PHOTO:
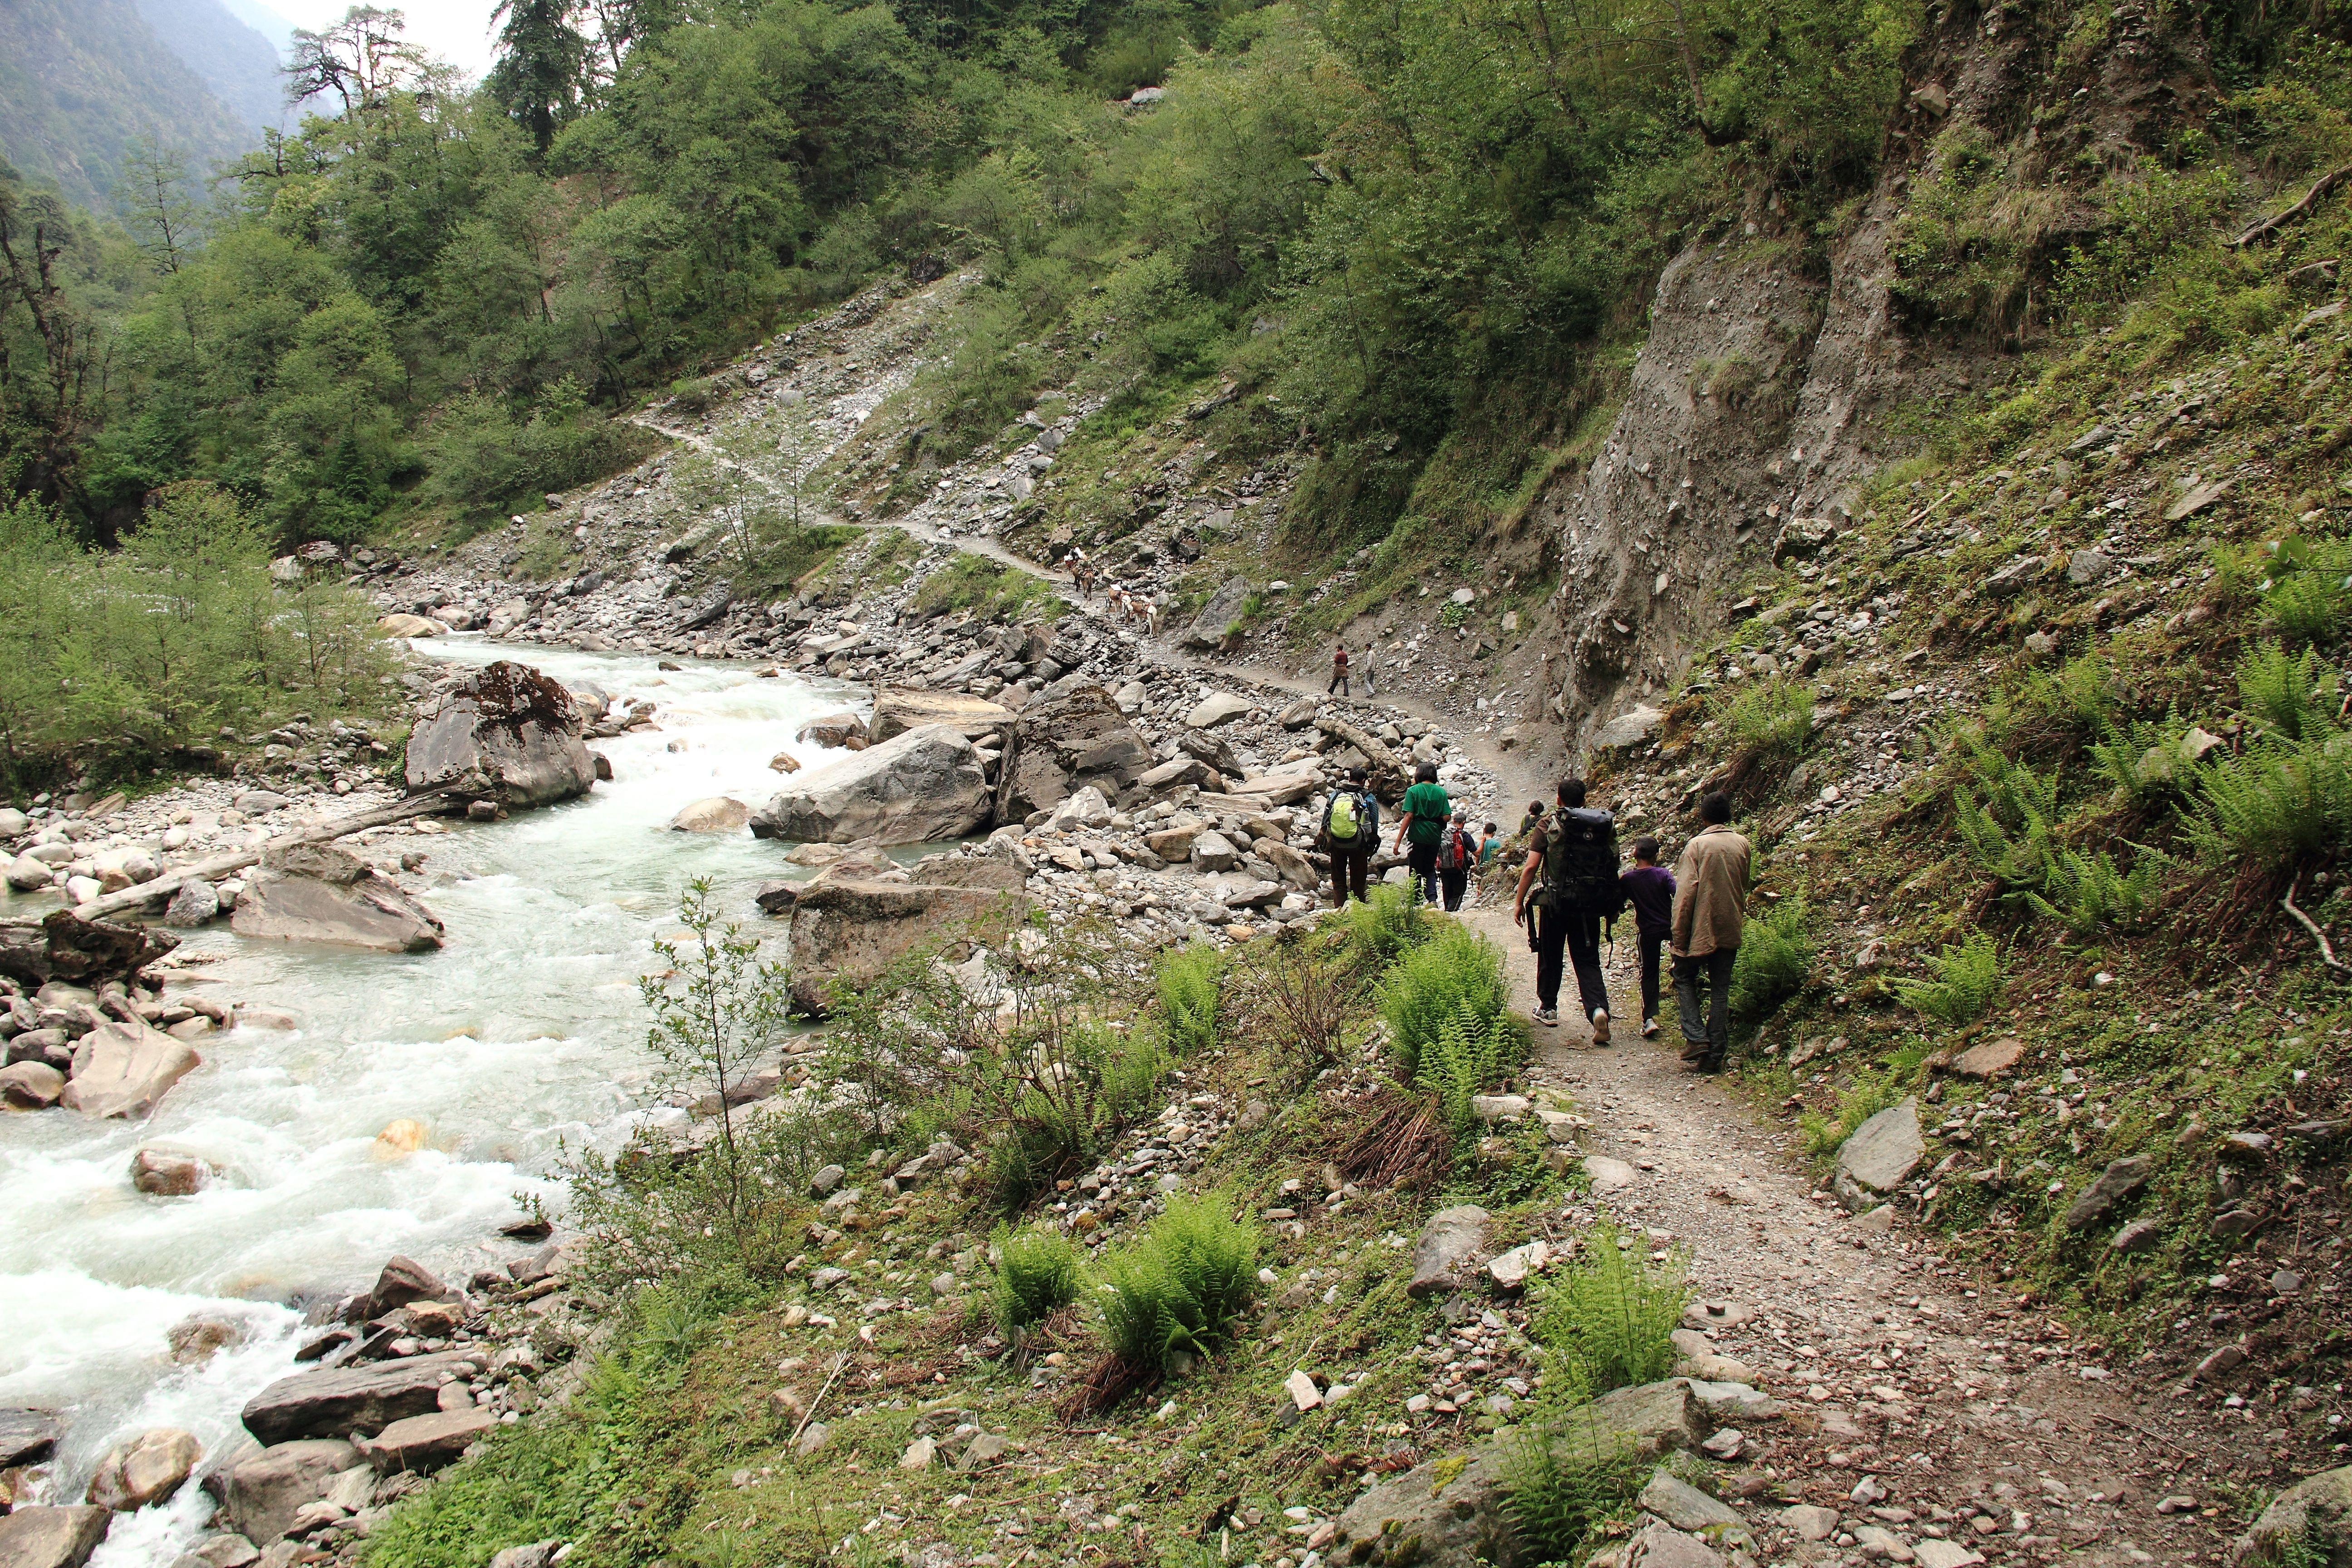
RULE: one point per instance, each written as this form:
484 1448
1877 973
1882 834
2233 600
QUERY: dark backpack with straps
1581 864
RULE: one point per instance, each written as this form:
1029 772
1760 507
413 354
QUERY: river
524 1029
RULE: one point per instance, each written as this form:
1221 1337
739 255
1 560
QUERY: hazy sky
457 30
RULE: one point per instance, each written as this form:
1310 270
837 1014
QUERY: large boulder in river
336 1402
712 813
1058 747
123 1069
52 1537
921 785
65 946
850 932
261 1495
901 708
316 892
505 732
144 1470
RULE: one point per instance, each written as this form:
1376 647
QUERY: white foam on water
507 1040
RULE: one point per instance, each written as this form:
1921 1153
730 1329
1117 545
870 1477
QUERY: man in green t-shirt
1422 822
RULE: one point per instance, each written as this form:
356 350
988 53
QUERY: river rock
145 1469
994 873
31 1086
1213 852
1990 1059
537 1554
504 733
2119 1181
51 1537
923 784
833 730
27 1435
1074 741
340 1401
1215 708
1879 1156
1448 1240
28 875
72 948
195 903
260 1495
713 813
849 932
407 625
403 1280
426 1443
1658 1544
1450 1511
123 1069
2309 1525
899 709
168 1172
1685 1507
317 892
1176 772
1629 728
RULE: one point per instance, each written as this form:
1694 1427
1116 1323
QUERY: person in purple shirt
1650 890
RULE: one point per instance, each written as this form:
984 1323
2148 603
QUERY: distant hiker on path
1710 916
1338 673
1571 870
1423 819
1457 853
1650 888
1351 825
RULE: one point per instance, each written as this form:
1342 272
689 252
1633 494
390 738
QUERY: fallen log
164 886
2268 227
1389 774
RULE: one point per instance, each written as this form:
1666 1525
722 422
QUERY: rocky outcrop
505 734
67 947
2309 1525
1880 1155
316 892
1450 1513
145 1469
27 1435
340 1401
850 932
1449 1239
902 709
1064 745
713 813
921 785
260 1495
124 1070
52 1537
426 1443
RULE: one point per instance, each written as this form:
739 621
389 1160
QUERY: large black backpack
1581 864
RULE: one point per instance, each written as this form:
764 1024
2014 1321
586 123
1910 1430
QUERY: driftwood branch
2326 952
810 1414
1387 768
2295 213
167 884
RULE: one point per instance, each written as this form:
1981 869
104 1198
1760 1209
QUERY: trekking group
1570 887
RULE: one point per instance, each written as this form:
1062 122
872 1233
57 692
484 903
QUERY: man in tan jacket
1710 914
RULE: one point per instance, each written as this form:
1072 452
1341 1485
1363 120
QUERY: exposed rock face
1448 1512
52 1537
506 734
901 708
316 892
833 730
714 813
2310 1522
1448 1241
1879 1156
1058 747
923 784
849 932
123 1069
426 1442
144 1470
1208 628
340 1401
407 625
262 1494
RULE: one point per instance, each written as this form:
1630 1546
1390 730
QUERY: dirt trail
1899 1373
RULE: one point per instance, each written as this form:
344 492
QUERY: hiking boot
1649 1029
1601 1027
1548 1017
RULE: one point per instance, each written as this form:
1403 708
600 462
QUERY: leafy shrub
1773 715
1606 1320
1177 1289
1967 978
2151 219
481 457
1186 980
1036 1271
1459 975
1470 1055
2293 698
1384 927
1775 955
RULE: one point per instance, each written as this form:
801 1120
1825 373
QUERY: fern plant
1966 979
1565 1481
1472 1053
2088 895
2280 801
1607 1320
1186 980
1176 1291
2143 761
1036 1272
1431 985
2294 698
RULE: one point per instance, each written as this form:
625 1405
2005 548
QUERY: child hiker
1650 888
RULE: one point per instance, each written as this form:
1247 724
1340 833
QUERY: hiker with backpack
1351 825
1710 916
1426 812
1457 855
1571 874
